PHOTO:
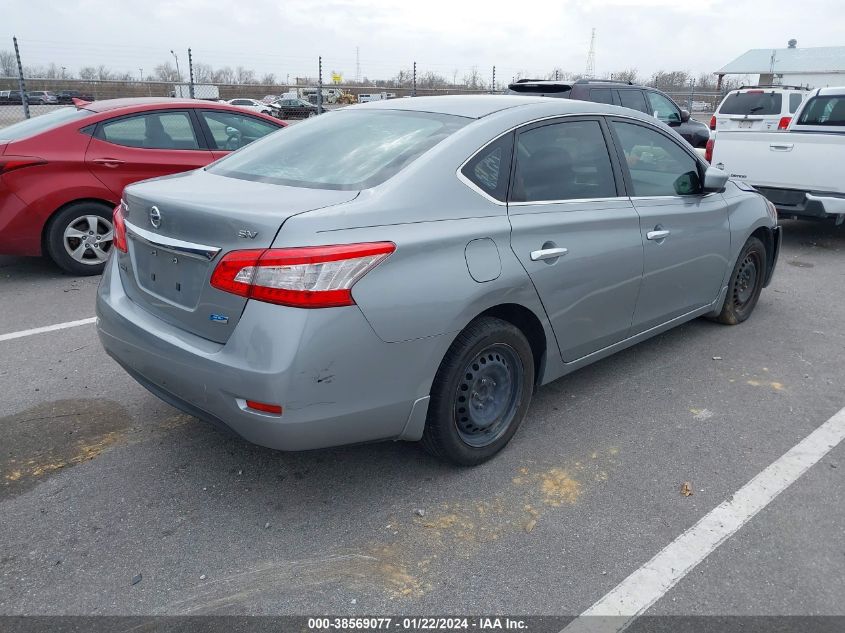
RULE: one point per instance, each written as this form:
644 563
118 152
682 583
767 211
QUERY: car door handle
548 253
657 235
108 162
781 147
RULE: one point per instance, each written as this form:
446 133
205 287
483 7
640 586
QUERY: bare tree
203 73
165 72
88 73
224 75
431 79
8 64
268 79
629 74
244 75
473 79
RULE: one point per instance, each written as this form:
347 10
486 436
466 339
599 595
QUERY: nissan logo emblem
155 217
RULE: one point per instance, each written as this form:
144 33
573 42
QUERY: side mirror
714 180
684 116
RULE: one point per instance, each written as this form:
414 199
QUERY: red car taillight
11 163
713 122
304 277
119 227
784 122
708 150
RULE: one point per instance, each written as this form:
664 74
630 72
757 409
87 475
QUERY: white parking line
46 328
634 595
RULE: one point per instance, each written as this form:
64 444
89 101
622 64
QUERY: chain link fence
33 90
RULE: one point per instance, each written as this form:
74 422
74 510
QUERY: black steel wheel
745 284
480 394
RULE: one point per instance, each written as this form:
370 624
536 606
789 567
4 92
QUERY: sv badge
247 234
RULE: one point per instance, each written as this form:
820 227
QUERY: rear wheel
745 284
480 394
79 238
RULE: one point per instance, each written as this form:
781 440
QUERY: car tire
480 394
79 238
745 284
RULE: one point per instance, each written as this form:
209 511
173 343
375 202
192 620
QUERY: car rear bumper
792 203
337 382
20 233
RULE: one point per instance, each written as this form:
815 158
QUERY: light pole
64 68
140 74
178 72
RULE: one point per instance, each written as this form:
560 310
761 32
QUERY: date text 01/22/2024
416 623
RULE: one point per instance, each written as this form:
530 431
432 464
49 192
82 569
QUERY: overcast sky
286 36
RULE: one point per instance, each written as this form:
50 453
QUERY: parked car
296 109
623 93
67 96
799 170
759 108
10 97
41 97
375 96
385 272
62 173
270 109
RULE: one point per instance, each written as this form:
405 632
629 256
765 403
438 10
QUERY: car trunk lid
179 227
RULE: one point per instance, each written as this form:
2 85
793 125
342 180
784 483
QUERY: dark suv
621 93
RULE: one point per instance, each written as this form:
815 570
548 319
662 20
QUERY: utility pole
178 72
357 64
190 73
21 80
320 85
414 89
493 84
591 57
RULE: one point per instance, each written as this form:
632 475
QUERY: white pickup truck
801 170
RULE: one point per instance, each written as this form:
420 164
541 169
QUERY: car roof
478 106
132 102
834 91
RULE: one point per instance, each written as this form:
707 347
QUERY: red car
62 173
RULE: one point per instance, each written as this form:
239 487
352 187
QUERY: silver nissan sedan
415 269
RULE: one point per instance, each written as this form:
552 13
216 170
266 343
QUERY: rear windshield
818 111
41 123
341 150
752 103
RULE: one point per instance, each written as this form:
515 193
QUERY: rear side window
752 103
345 150
601 95
490 168
633 99
562 161
165 130
819 111
795 100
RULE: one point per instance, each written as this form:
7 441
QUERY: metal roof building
814 67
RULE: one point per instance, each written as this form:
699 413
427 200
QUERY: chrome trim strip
189 249
568 200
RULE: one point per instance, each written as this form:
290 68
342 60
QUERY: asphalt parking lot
102 485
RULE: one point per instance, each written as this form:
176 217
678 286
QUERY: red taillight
11 163
713 122
304 277
784 122
708 150
275 409
119 228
